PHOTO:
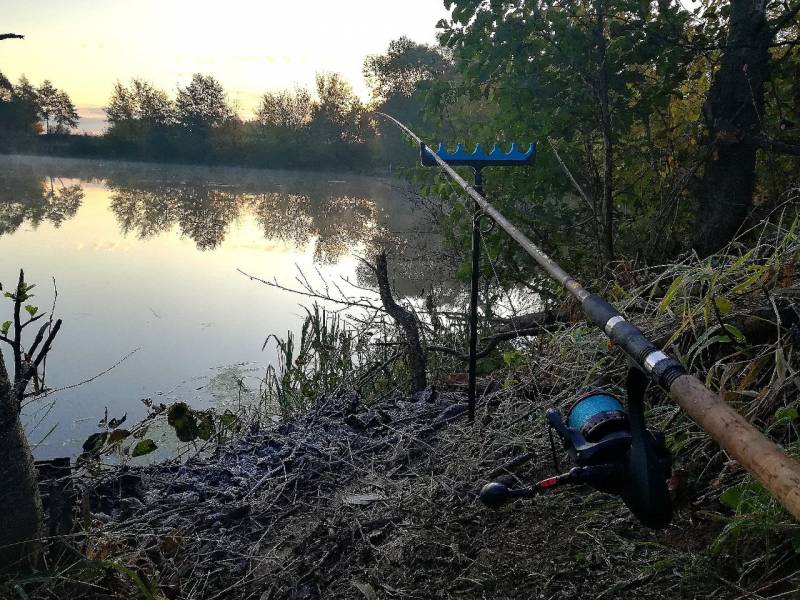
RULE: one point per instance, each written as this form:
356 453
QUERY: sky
251 46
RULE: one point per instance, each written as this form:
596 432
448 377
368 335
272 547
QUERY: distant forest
329 127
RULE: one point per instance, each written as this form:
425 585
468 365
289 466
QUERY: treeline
328 127
27 111
291 128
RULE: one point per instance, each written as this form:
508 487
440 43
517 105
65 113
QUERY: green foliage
188 424
531 71
324 360
143 448
291 128
757 516
95 442
183 421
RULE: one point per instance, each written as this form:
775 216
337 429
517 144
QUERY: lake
145 261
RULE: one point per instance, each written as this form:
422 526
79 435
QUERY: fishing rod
778 472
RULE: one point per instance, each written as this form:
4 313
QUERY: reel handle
497 493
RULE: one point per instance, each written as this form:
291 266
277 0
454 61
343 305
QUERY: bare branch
780 146
312 294
11 36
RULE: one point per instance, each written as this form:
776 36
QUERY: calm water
145 257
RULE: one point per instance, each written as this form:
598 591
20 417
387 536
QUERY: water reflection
204 214
34 200
200 211
337 223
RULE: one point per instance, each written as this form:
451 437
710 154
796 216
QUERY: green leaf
735 332
706 340
95 442
182 419
146 446
671 292
786 413
748 283
227 418
206 427
5 327
512 358
32 310
732 497
724 306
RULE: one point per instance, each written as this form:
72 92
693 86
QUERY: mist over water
145 258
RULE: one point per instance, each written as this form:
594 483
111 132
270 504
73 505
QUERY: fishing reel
613 451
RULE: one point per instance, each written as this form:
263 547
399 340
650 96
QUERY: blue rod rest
478 158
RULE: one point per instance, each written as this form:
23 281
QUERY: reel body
613 452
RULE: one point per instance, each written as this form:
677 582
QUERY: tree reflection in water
204 213
36 200
302 210
201 213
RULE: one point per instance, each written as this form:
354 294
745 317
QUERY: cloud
91 112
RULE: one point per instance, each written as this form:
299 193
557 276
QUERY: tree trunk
732 114
605 127
407 321
20 504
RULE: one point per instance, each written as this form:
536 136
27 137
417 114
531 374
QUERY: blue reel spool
596 415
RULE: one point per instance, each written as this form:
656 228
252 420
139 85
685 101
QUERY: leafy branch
27 361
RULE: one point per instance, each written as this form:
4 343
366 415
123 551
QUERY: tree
25 92
121 107
287 109
56 106
48 102
401 69
65 116
338 112
592 76
142 102
153 107
141 118
399 80
202 104
20 504
19 111
734 115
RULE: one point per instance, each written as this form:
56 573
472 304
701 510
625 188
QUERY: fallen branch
523 326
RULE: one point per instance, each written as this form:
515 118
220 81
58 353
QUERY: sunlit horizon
250 48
